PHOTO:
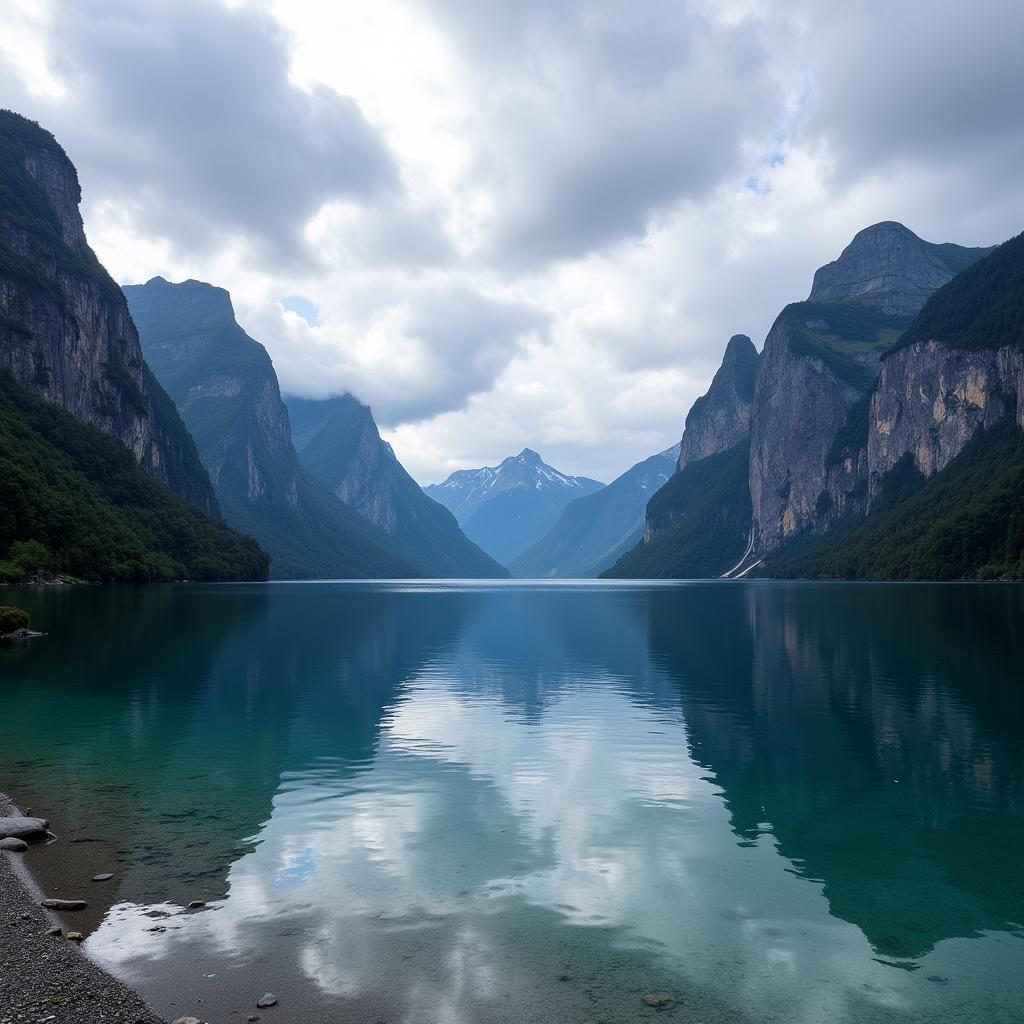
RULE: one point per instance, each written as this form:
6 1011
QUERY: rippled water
526 802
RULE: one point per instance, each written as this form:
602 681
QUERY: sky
519 225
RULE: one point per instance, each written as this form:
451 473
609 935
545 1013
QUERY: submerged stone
659 1000
52 904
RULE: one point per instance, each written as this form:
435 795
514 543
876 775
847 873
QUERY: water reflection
507 803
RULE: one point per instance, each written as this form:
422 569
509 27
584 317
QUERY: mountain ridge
225 386
339 444
594 531
506 508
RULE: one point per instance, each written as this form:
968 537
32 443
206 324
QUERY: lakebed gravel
44 977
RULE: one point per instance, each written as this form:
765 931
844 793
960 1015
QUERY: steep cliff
720 419
338 442
65 331
698 523
944 447
808 462
958 367
226 389
593 532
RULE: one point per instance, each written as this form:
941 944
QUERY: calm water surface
455 804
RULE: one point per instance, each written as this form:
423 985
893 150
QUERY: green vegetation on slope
966 522
73 500
24 207
706 512
981 308
837 332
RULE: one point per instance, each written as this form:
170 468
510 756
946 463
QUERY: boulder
23 828
13 845
264 1002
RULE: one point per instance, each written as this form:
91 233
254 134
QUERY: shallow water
535 802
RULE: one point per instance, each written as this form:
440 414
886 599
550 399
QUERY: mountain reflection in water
504 802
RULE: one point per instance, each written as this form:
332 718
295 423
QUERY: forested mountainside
507 508
226 389
698 524
100 478
338 442
74 502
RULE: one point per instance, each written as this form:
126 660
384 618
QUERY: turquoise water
529 802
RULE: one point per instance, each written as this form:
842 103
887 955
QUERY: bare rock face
889 268
930 399
65 331
720 419
227 391
809 424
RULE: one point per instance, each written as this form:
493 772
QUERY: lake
463 803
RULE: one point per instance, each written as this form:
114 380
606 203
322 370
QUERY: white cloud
532 224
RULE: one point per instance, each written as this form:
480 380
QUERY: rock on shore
18 827
40 970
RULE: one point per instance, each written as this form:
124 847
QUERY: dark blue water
526 802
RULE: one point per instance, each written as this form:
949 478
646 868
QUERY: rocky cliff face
960 366
65 331
720 419
225 387
809 425
888 268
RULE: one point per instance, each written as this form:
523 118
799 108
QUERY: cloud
520 224
187 113
593 119
425 354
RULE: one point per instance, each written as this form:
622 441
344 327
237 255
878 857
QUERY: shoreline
47 977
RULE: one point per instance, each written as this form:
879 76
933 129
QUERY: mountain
809 413
65 331
507 508
720 419
698 524
99 478
592 532
820 361
74 501
943 444
225 387
338 442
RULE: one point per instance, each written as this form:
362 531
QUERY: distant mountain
593 532
507 508
226 389
338 442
